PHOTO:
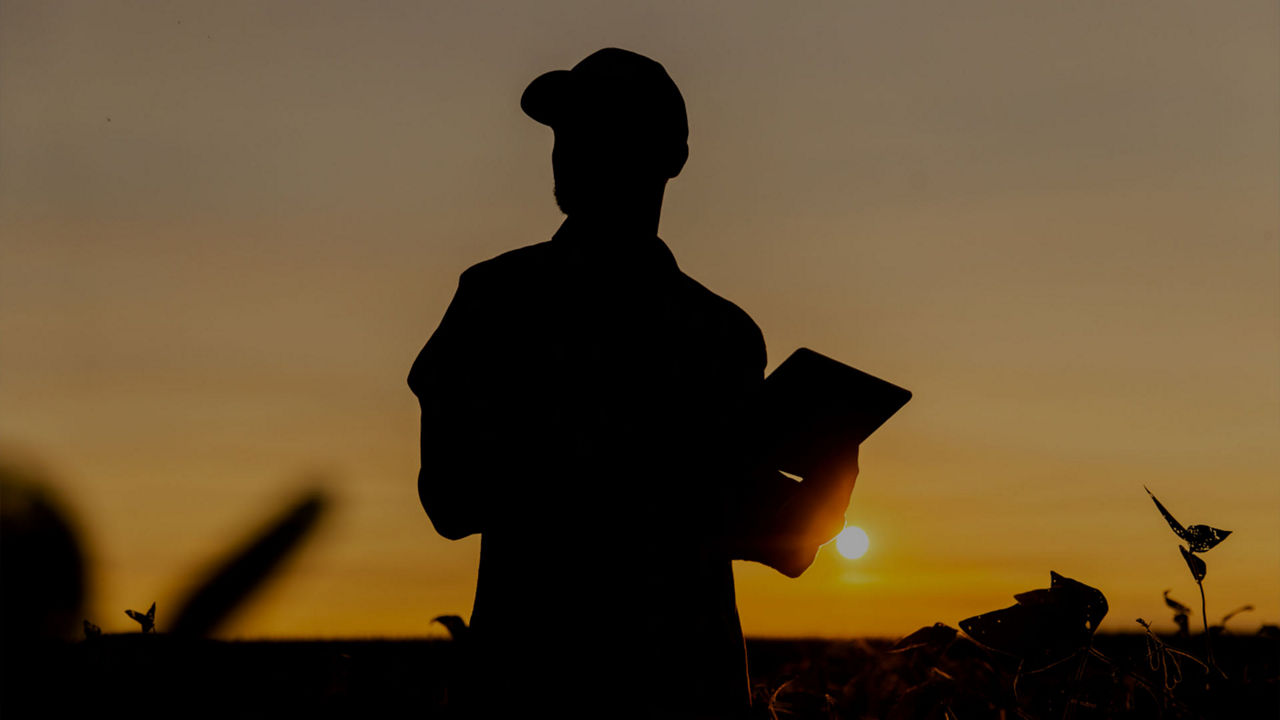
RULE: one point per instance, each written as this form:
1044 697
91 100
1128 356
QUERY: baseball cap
611 88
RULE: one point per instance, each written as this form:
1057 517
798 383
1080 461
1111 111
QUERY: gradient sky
227 229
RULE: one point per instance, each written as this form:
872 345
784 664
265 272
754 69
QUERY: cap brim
548 96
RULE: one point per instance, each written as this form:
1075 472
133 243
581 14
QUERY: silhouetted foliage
806 679
1199 537
1046 626
456 626
1165 659
147 620
1053 667
1194 564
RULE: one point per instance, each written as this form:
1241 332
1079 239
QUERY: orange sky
227 228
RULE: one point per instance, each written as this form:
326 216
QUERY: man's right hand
787 521
828 489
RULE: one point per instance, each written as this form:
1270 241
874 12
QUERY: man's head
620 126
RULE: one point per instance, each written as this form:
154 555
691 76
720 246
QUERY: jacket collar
627 253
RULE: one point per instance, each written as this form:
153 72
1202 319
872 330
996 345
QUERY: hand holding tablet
816 408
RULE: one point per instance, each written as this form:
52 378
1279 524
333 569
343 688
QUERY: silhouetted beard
599 194
576 196
561 201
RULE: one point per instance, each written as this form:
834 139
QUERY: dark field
162 676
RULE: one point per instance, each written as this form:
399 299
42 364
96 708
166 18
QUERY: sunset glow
227 229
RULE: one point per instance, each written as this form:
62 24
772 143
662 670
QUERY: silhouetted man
586 408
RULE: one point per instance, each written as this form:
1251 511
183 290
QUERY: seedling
1199 539
147 621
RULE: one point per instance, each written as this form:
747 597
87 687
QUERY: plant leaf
1047 625
1198 537
1195 564
937 635
1041 596
1087 602
1203 537
146 620
1177 527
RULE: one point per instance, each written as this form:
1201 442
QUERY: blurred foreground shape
42 566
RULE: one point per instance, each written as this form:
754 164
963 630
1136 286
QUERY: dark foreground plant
1200 539
1025 660
1038 659
1048 637
1162 658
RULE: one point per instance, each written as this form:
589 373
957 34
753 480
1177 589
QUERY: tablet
811 402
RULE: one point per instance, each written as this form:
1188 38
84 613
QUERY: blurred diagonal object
1176 606
1237 611
1181 614
231 582
43 578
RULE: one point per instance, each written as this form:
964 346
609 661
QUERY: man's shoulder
512 264
719 307
713 316
721 318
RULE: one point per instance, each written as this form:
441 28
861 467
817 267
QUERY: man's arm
782 523
769 517
450 378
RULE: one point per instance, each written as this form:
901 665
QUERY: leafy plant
1047 625
146 620
1199 539
1045 629
1055 626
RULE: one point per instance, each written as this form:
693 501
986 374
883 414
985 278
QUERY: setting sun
852 542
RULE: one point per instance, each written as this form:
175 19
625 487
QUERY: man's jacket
586 408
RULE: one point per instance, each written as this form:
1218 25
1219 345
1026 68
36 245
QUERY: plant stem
1208 639
1163 692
